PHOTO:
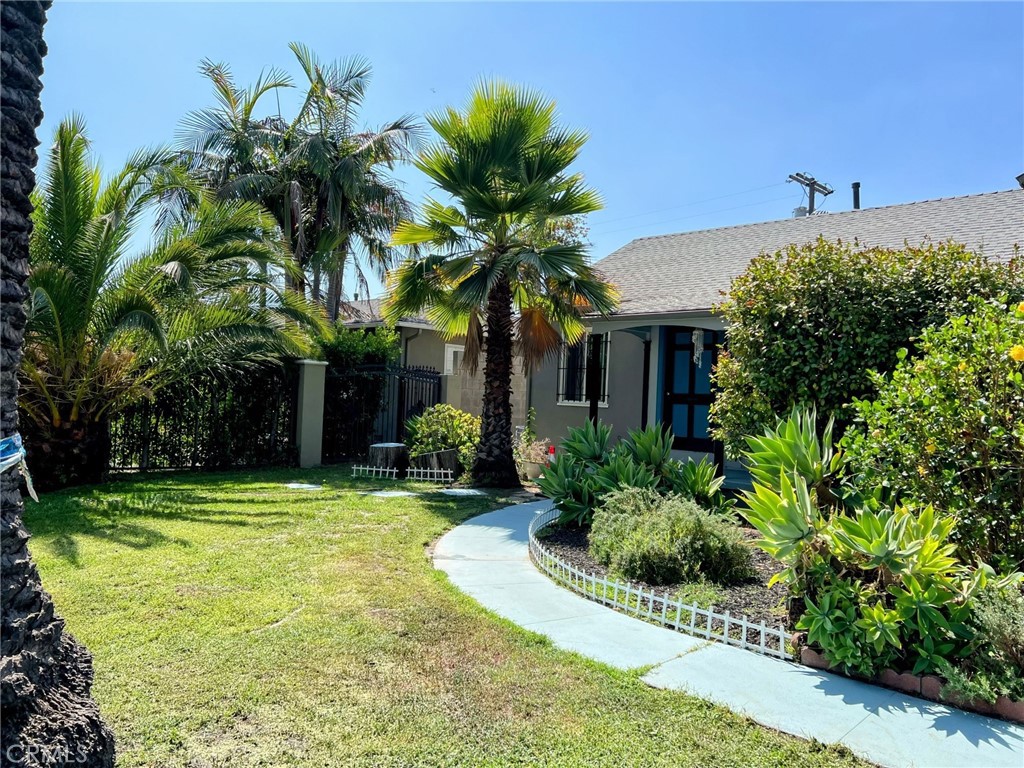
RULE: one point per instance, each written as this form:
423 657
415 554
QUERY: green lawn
236 622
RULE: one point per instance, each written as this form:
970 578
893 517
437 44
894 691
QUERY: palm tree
495 272
326 182
45 698
107 327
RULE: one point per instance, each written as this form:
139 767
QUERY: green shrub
443 427
995 664
947 430
587 468
807 324
347 348
878 586
673 541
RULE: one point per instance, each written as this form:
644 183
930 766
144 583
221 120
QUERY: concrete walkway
487 558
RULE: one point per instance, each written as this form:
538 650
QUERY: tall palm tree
107 327
488 266
45 674
326 182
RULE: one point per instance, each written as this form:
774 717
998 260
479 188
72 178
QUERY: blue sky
697 112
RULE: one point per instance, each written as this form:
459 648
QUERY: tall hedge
808 323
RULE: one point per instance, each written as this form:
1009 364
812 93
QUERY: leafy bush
347 348
443 427
586 469
807 324
995 664
665 540
881 587
947 430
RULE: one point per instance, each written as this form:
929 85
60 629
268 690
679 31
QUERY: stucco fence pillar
309 419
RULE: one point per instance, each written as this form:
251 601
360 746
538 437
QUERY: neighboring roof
368 312
689 272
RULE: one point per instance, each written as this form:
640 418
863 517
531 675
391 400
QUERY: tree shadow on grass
130 518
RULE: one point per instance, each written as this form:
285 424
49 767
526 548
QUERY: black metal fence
370 404
244 420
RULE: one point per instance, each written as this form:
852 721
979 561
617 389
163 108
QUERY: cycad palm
106 327
494 273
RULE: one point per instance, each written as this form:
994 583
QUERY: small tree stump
389 456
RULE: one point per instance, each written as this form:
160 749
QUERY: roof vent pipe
856 195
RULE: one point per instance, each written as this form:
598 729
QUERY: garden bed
754 599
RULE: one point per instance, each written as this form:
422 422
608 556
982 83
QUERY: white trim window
453 358
572 372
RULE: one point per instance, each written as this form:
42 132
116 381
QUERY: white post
309 421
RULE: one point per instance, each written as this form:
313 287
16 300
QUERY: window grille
572 371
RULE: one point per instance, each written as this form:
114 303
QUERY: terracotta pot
1010 709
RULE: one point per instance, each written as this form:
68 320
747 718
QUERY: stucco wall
427 349
625 372
422 348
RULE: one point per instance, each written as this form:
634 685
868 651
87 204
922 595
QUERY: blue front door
687 385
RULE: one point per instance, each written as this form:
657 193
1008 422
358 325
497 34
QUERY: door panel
687 387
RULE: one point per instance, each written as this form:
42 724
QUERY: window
453 358
572 372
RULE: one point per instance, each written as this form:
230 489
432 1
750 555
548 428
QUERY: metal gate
370 404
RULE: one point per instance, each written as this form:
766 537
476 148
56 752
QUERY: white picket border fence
390 473
659 608
431 475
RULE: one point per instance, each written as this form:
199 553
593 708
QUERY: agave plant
108 326
794 446
652 447
699 481
789 522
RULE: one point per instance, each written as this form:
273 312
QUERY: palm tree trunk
495 465
336 285
334 294
47 713
315 286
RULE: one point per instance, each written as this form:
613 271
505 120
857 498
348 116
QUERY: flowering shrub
948 429
807 324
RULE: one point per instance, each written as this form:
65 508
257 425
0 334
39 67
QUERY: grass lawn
235 622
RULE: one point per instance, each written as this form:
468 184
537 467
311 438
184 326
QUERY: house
663 341
658 349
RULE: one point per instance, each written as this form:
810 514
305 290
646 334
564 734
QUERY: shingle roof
689 271
368 312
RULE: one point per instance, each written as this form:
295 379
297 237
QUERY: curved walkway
487 558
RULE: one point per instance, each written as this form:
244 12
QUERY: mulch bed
753 599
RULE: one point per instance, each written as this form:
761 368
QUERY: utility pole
813 186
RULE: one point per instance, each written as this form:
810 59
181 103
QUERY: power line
687 205
697 215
